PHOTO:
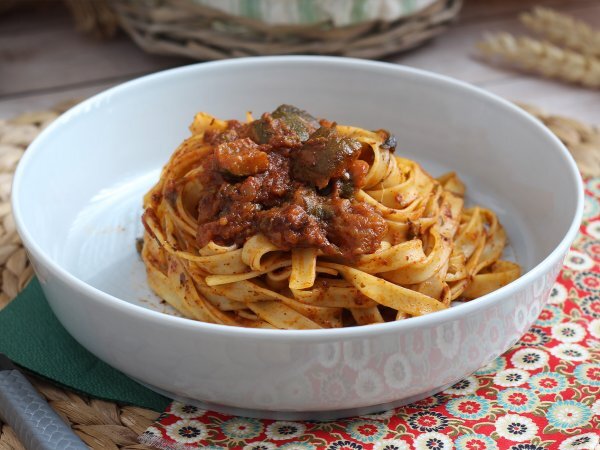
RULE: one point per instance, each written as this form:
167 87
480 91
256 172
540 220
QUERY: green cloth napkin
32 336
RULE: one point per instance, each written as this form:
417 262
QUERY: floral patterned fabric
544 393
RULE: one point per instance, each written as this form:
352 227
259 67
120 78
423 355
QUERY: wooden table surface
43 60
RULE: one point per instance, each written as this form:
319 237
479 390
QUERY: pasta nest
435 251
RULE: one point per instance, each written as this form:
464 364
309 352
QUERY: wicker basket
181 27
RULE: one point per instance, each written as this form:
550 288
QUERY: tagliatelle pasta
294 223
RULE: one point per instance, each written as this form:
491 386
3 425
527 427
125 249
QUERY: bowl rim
164 319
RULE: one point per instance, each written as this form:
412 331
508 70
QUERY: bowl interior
79 189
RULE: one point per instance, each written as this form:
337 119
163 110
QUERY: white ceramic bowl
77 203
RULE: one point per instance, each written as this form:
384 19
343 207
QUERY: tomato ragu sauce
293 179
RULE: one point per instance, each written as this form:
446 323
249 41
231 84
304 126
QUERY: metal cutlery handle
33 420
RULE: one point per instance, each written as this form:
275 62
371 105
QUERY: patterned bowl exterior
322 378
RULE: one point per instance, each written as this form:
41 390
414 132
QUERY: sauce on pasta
287 221
290 178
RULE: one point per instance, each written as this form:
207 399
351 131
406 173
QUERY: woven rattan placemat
107 425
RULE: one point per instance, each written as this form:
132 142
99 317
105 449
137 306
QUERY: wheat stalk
542 58
563 30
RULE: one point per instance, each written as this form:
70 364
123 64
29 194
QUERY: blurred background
544 52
